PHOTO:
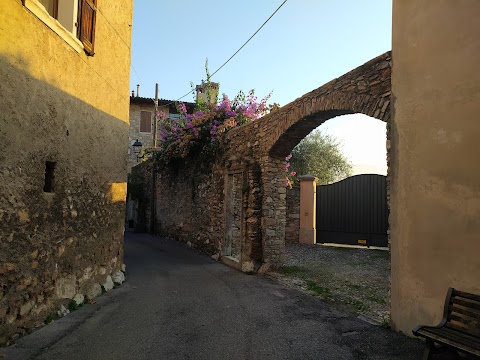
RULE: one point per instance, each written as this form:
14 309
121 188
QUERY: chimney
133 93
138 90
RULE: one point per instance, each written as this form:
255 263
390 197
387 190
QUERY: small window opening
49 176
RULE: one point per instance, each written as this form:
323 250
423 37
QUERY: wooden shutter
87 12
145 121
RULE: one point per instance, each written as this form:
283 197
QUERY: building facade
434 177
64 80
142 113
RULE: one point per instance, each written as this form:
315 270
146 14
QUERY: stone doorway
233 217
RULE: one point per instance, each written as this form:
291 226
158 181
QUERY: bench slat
468 331
466 295
460 327
469 312
474 341
450 340
467 304
466 321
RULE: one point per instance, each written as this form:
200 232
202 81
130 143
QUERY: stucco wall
60 105
435 177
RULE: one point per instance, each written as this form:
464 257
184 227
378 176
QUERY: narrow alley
179 304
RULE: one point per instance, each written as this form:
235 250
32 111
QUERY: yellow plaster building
64 119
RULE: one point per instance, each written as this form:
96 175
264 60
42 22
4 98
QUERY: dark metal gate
353 211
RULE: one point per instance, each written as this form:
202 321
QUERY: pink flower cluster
290 174
178 136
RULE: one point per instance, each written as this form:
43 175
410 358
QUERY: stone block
25 308
118 278
65 288
264 268
79 299
108 284
94 291
248 266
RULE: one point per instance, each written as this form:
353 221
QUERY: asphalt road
179 304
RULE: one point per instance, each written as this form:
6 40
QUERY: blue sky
306 44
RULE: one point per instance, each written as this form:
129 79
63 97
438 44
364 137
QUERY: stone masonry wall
146 138
268 141
65 241
139 197
192 201
189 205
292 228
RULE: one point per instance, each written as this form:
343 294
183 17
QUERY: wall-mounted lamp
137 148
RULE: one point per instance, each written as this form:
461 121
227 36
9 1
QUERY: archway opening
350 262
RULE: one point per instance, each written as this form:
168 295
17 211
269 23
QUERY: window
51 6
86 24
145 121
72 20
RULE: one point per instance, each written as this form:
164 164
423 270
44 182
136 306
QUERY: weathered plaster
60 105
435 180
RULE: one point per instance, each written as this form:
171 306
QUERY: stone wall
139 198
59 107
189 205
268 141
292 227
203 205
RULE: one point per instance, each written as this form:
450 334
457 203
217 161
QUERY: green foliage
293 270
320 155
385 322
201 135
313 286
72 305
49 319
135 186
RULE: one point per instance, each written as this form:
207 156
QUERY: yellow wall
435 137
57 104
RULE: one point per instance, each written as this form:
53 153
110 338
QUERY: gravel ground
355 279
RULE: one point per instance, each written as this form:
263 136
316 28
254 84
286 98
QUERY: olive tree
320 155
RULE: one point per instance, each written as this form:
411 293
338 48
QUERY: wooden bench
459 329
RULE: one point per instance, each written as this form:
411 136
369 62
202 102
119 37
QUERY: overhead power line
246 42
236 52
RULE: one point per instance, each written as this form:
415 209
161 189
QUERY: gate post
308 203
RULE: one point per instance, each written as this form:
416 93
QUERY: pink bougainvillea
203 130
290 175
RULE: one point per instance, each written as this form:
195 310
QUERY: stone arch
366 90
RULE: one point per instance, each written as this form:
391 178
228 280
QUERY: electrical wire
216 71
246 42
236 52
